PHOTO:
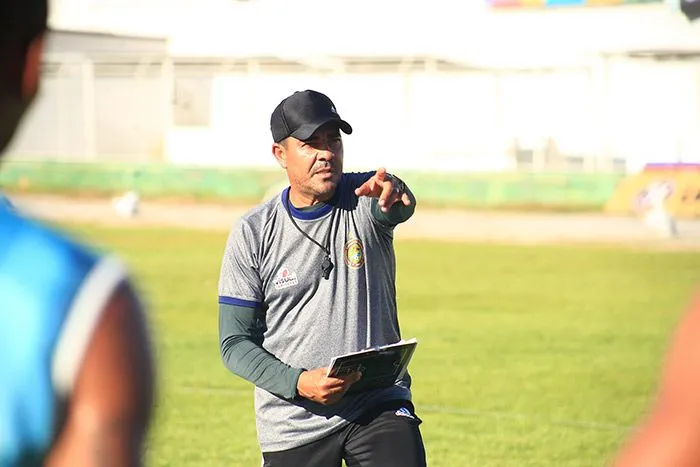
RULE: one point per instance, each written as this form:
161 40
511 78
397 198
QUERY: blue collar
310 215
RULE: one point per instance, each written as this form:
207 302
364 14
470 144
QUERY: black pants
385 436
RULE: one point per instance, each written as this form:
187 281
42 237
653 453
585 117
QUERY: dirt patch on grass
427 223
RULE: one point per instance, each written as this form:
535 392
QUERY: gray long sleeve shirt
278 316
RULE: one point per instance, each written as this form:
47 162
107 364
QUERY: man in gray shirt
310 275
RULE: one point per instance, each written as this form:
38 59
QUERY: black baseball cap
302 113
691 9
22 20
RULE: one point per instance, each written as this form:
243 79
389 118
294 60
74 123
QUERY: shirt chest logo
354 254
285 278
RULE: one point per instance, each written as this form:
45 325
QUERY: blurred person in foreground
311 274
5 203
77 376
669 436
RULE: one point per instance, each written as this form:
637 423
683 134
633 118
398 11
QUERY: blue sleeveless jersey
5 203
52 291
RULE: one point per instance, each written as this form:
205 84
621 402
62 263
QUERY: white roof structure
460 31
463 31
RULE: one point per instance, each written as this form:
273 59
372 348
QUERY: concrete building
449 85
104 97
445 85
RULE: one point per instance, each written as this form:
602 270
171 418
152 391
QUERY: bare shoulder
111 403
121 351
669 433
682 368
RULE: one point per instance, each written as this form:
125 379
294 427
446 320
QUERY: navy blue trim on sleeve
238 302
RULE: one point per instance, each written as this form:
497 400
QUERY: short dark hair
21 21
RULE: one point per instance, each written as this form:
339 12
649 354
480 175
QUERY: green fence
566 191
150 180
516 189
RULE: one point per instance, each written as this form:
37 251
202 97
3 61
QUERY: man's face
314 166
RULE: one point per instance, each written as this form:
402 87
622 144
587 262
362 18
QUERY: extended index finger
364 189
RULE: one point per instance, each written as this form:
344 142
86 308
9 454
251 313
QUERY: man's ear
280 153
32 68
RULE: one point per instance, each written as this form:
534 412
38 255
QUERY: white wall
398 121
652 111
80 117
641 111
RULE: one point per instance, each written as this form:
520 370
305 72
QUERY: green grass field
528 356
